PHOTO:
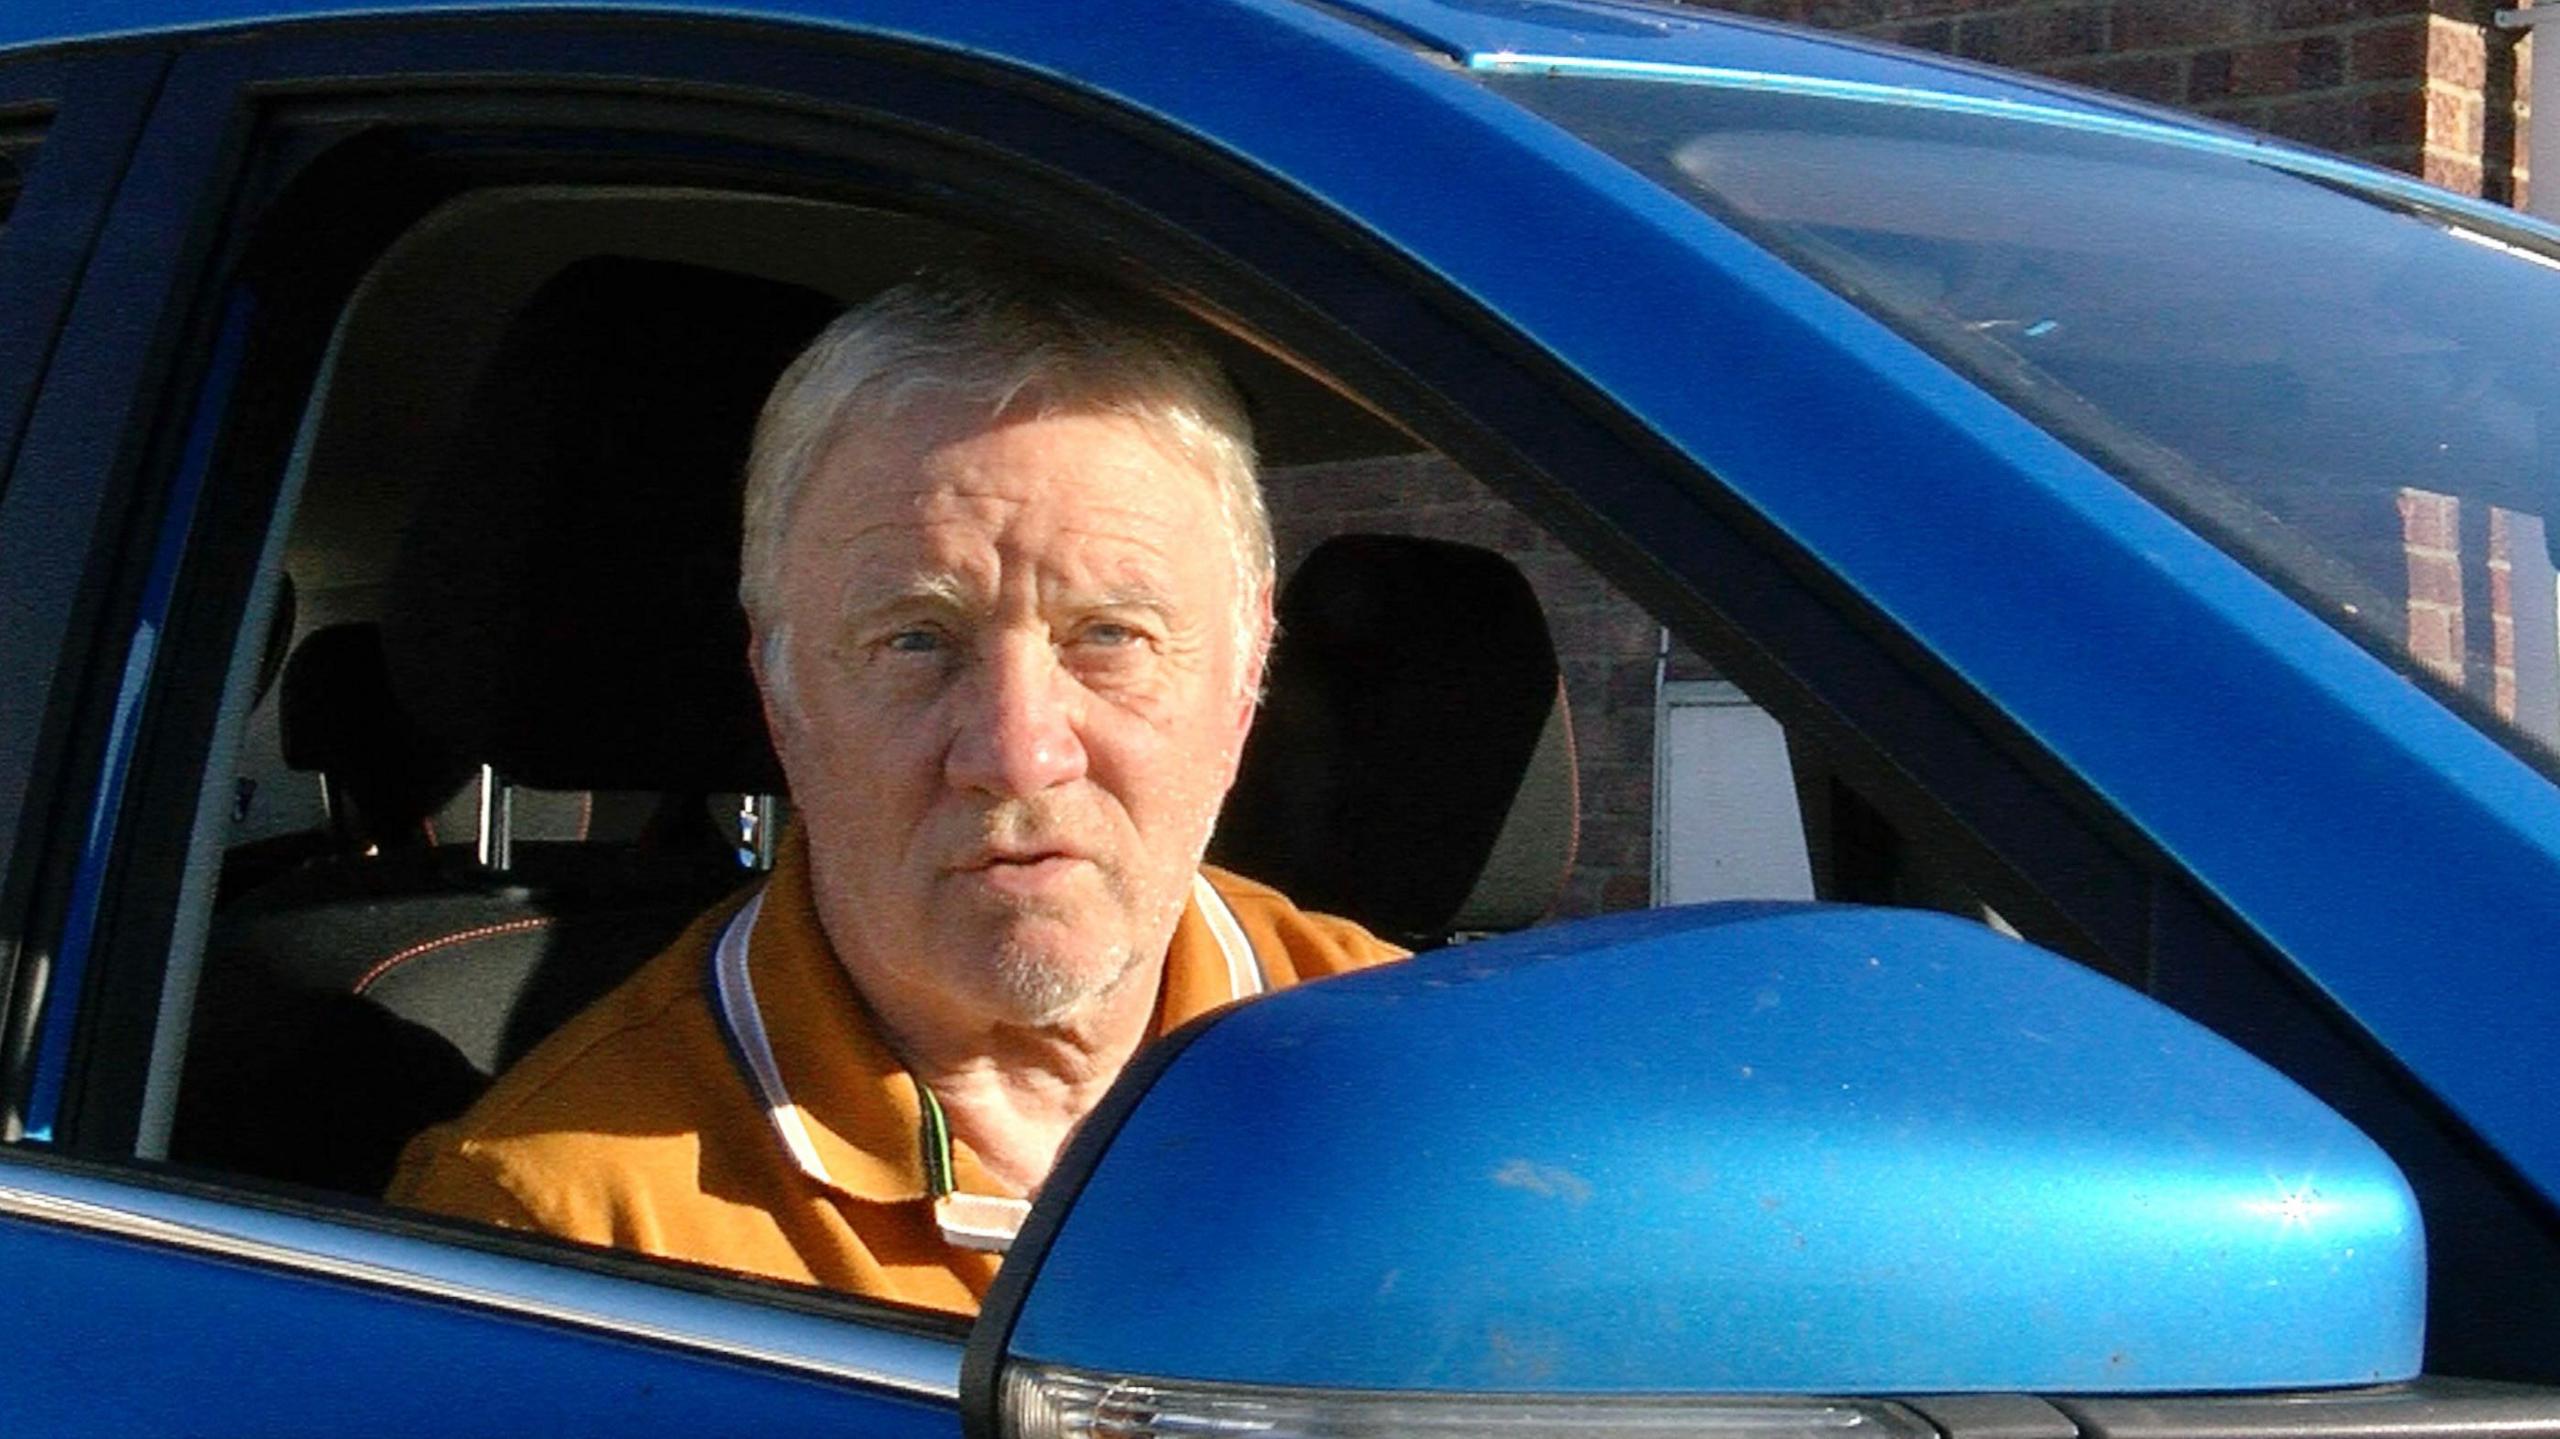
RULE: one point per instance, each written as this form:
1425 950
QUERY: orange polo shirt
771 1132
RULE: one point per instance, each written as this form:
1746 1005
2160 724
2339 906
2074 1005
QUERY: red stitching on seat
513 926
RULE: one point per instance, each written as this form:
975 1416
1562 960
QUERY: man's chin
1038 981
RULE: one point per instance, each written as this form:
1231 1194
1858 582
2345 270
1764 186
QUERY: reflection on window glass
16 160
17 154
2353 393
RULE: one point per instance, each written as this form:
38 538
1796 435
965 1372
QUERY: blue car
2127 539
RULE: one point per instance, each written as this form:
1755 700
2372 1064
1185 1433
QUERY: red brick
1626 891
2453 172
2177 24
2209 77
2389 52
2457 54
2323 62
1630 682
2434 579
2454 122
2161 79
2333 122
2403 158
1615 734
1619 787
1616 846
1937 35
2030 38
2428 519
1584 628
2274 68
2431 642
1842 14
1906 9
2311 14
2247 114
2392 118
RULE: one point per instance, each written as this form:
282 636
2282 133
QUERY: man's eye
918 640
1109 635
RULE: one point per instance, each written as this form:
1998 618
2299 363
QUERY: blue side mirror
1740 1149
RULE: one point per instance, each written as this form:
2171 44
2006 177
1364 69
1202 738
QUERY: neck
1013 1092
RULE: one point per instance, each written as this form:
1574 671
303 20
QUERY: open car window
500 746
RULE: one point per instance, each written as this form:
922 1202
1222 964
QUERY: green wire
936 1142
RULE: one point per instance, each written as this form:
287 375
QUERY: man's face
1012 699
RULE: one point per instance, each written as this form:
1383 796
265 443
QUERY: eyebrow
1133 596
946 591
940 588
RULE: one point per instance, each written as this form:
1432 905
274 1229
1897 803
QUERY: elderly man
1009 581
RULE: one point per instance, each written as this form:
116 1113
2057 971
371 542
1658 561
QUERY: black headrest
337 716
1413 764
565 606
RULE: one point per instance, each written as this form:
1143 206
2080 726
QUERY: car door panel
1788 551
251 1320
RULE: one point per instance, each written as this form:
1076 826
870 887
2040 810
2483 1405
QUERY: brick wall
2430 87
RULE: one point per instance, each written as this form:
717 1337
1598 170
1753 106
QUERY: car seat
562 618
1413 764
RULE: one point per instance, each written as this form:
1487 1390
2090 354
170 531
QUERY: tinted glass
17 155
2349 389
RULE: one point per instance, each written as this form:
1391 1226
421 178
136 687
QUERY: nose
1016 731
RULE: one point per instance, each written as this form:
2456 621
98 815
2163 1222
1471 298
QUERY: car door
1353 206
143 1301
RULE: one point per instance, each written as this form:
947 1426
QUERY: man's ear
772 670
1257 658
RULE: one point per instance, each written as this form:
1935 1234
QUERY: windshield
2350 391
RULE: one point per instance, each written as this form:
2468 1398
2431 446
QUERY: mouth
1023 869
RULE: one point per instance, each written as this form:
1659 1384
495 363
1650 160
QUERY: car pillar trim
931 1372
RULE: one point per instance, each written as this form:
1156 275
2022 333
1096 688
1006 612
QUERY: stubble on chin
1036 990
1042 986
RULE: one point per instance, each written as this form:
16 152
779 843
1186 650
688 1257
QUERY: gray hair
1059 345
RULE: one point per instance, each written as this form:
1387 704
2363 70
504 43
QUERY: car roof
1583 31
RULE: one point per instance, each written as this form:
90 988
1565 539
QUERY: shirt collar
839 1102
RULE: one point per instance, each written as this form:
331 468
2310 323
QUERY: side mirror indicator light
1041 1402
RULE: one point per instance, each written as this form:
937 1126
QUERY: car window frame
94 106
1776 601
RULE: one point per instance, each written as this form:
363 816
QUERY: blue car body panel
308 1356
2249 743
1725 1157
185 1322
2009 556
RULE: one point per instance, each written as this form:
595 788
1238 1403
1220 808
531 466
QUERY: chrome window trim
913 1365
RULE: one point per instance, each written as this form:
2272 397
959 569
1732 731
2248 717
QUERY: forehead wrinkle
957 529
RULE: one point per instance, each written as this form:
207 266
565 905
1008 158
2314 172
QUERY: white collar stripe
1244 968
736 993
